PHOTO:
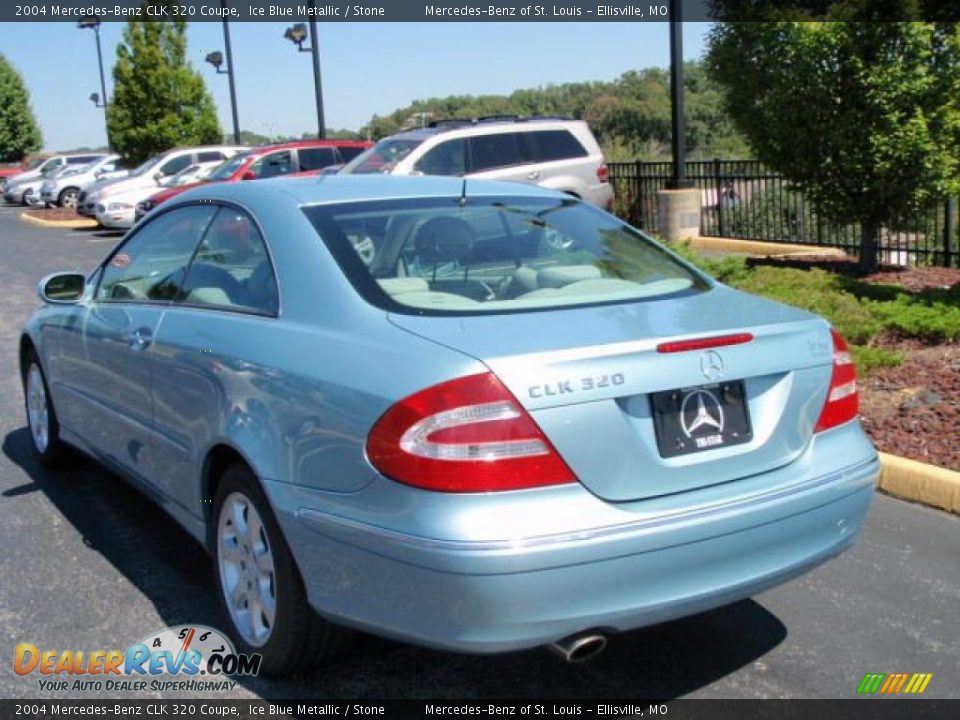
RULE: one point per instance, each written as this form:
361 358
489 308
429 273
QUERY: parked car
554 153
63 187
114 211
9 169
516 422
301 157
150 174
25 187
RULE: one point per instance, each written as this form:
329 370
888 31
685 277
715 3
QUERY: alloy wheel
37 409
247 576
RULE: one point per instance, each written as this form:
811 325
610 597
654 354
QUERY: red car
301 157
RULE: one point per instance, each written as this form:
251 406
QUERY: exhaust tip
580 648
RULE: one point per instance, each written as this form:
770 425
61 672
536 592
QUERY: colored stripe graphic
871 683
894 683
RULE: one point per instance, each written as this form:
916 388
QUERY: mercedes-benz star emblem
700 409
711 365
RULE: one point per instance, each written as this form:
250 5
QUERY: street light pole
92 21
297 34
317 89
230 74
677 127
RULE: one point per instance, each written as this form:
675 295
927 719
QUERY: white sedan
117 211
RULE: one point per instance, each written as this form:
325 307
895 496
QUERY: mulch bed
912 410
56 213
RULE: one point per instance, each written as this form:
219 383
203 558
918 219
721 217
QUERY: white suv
555 153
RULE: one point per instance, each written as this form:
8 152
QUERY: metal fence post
720 204
948 230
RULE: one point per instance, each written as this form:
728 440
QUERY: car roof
483 125
322 189
263 149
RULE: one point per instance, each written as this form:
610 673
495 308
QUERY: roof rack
449 123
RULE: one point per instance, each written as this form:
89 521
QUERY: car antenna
463 193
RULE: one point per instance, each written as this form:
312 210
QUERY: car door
207 352
172 166
315 158
498 156
107 367
275 164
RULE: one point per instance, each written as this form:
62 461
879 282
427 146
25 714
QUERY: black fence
744 200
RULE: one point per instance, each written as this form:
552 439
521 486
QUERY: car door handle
141 338
534 175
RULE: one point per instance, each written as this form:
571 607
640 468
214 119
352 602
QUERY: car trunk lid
591 377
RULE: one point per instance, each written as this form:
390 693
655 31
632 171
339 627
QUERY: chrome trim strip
318 520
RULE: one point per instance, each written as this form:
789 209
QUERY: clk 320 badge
585 384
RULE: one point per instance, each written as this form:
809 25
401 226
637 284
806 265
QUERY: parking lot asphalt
87 563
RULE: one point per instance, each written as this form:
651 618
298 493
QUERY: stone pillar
678 214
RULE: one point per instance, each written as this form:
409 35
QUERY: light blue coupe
477 416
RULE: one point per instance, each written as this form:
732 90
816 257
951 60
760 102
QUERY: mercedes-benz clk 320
473 415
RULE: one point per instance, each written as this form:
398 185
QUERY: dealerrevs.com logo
188 657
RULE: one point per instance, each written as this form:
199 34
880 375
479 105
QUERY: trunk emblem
700 408
711 365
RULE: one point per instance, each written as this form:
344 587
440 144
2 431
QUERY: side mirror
63 288
158 176
249 175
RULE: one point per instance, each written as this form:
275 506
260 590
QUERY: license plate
700 418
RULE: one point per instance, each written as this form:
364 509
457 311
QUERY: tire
68 197
42 422
254 570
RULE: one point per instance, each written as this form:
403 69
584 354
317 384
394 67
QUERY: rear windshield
490 255
381 158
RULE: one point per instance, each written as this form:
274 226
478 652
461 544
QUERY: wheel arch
26 347
218 458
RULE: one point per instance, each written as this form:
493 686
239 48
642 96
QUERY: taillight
843 402
465 435
603 173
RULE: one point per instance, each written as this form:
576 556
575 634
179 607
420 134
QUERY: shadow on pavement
175 574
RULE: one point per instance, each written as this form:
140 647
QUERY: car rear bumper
510 594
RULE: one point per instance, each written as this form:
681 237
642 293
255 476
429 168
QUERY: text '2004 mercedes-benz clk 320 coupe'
473 415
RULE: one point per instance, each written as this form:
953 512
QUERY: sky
366 68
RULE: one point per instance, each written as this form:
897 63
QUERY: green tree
629 116
862 117
159 100
19 132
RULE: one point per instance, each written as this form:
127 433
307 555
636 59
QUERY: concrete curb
757 247
66 224
919 482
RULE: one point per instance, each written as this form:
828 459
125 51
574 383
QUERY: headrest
443 239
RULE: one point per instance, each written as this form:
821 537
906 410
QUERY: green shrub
868 358
932 322
859 310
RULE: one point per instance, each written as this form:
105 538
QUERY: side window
494 151
151 264
447 158
316 158
278 163
172 167
231 268
549 145
348 153
210 156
